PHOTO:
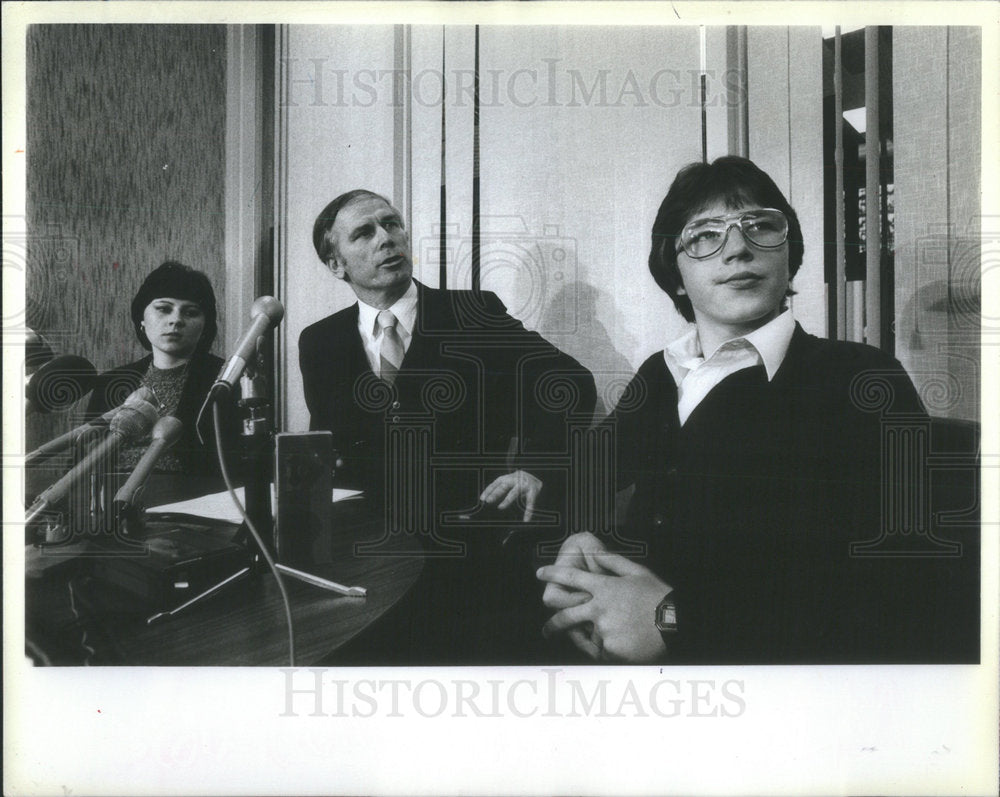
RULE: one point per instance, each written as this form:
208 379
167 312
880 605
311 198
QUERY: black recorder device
303 484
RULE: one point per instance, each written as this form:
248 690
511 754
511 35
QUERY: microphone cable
217 421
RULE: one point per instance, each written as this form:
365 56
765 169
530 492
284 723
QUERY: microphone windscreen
133 421
37 351
141 395
269 306
168 429
60 383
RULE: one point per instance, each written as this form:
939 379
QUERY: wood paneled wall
126 168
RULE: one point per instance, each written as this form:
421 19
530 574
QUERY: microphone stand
256 449
257 444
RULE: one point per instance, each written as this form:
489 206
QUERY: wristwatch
666 613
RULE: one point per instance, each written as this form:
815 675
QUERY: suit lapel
349 358
431 321
434 317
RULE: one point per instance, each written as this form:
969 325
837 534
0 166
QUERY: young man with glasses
757 453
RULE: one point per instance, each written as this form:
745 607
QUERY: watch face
666 616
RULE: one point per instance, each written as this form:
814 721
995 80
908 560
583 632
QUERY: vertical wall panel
768 102
459 80
457 95
785 109
426 49
248 209
126 169
721 77
921 145
337 112
937 119
805 54
964 207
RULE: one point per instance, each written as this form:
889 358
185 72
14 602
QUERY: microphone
143 395
266 312
59 384
166 432
129 424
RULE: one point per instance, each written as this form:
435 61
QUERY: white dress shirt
695 374
405 310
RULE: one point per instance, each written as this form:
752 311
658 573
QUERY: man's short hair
322 240
729 179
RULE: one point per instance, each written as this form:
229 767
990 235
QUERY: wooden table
74 618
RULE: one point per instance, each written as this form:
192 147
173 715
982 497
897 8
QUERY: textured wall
126 164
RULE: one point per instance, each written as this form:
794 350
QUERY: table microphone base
175 566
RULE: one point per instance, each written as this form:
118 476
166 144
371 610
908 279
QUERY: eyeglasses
765 228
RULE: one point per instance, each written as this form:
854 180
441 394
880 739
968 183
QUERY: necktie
391 352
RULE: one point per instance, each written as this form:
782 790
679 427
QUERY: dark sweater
114 386
750 511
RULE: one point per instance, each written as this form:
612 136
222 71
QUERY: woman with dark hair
758 455
175 319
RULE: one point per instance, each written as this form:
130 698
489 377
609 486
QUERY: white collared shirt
405 310
696 375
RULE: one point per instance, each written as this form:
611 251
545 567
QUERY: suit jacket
114 386
476 394
750 510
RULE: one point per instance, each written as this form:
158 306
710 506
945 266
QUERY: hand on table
604 602
519 486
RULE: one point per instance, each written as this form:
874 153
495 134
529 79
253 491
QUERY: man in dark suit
436 398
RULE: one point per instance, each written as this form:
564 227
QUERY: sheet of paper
220 506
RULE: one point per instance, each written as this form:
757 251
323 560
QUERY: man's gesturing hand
616 622
519 486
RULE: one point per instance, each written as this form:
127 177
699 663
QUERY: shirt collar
405 310
684 354
771 342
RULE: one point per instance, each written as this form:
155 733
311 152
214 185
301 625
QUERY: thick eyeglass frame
733 220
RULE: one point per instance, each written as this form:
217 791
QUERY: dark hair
733 180
177 281
328 215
